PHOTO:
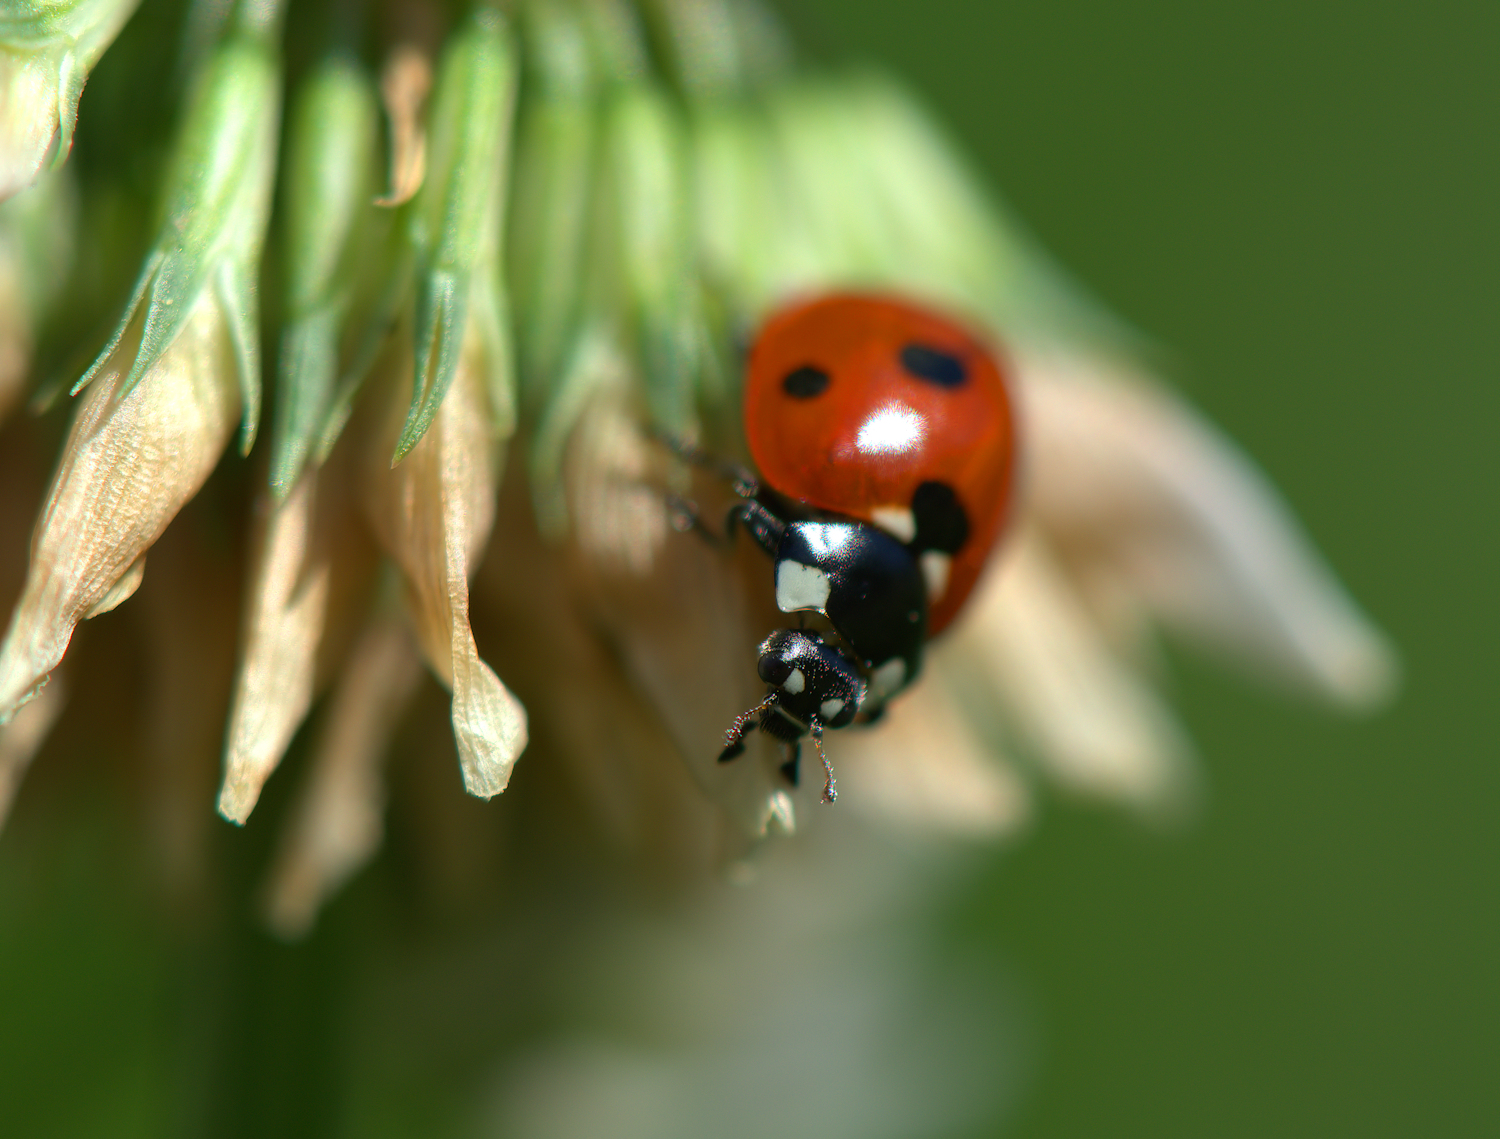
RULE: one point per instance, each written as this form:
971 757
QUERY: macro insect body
884 440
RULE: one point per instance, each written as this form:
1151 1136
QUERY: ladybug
883 435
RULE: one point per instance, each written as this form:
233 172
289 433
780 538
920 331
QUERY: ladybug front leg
687 518
746 485
734 738
830 793
761 522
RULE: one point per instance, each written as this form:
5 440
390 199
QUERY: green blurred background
1299 201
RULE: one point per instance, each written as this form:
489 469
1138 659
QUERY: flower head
475 373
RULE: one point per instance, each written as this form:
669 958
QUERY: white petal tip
489 726
238 797
1366 674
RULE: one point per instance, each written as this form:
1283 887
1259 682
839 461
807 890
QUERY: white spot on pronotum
889 677
830 708
935 566
897 521
891 430
800 587
795 683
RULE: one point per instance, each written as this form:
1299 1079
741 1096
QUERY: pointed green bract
328 191
555 168
455 217
46 53
218 202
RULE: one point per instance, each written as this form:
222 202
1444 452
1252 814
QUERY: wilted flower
577 234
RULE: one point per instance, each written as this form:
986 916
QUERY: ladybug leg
761 524
791 769
746 485
830 793
687 518
734 738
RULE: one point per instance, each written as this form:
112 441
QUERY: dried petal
433 512
671 604
923 768
274 686
129 465
1092 720
337 824
404 83
1130 481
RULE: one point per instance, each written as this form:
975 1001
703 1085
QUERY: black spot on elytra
806 382
941 521
934 365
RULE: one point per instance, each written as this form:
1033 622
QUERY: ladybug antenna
815 725
734 738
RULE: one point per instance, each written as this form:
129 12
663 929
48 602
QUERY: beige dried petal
433 513
1092 721
129 465
20 739
337 824
405 82
274 685
675 608
1136 489
122 590
923 768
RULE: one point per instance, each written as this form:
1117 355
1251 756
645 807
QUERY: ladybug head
813 680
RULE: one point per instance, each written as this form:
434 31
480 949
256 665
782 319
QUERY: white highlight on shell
889 677
796 682
935 569
800 587
831 708
891 430
898 521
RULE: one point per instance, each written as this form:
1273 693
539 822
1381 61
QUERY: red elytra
854 401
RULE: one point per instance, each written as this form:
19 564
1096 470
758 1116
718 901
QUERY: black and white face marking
933 366
813 678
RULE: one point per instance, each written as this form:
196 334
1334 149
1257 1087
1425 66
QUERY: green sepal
236 289
652 230
218 202
137 295
455 216
330 225
490 309
595 363
442 305
308 365
555 166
